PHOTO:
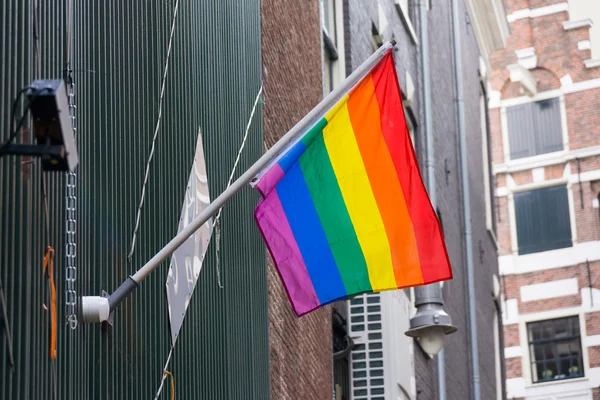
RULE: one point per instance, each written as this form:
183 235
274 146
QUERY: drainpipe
464 170
435 289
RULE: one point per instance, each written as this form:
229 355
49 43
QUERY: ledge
592 63
582 23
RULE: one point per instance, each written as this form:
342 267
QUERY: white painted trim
583 45
502 191
512 218
521 75
513 352
579 253
585 176
582 23
537 12
527 57
590 341
583 85
573 179
567 88
549 290
592 63
515 101
563 121
538 174
572 214
564 386
586 299
404 16
539 185
504 129
544 160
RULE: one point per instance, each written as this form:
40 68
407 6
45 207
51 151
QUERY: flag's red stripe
365 117
433 257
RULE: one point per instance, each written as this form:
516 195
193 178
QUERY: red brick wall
512 283
596 393
583 118
592 323
594 355
514 368
511 335
300 348
503 226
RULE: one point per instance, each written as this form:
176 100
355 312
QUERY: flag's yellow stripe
355 187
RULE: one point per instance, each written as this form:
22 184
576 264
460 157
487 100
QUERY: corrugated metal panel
118 60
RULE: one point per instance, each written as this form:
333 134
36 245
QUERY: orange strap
172 384
49 265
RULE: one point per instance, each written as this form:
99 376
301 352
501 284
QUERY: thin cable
164 376
156 129
235 164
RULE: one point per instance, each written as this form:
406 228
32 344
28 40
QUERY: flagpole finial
393 42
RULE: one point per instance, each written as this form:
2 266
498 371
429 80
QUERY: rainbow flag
344 209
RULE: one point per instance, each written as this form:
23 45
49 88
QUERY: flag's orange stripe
366 123
433 257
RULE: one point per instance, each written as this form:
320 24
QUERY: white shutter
381 364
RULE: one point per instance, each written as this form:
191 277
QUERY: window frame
505 104
533 362
489 179
514 218
334 63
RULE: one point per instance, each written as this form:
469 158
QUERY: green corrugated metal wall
118 61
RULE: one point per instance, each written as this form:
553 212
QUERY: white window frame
512 218
487 174
527 161
335 69
524 343
402 6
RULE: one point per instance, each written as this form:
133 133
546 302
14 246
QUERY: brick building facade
301 362
543 109
296 59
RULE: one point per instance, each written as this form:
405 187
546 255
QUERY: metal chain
71 219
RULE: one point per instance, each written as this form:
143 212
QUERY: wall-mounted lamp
49 107
431 323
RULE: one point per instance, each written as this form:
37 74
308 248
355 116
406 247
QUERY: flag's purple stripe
308 231
275 228
269 180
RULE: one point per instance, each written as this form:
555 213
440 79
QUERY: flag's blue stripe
291 156
310 236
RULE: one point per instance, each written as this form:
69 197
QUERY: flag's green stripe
329 203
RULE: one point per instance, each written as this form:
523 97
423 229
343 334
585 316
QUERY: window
488 177
534 128
332 27
555 349
404 7
543 221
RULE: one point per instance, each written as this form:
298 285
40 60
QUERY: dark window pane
555 348
373 300
377 372
374 317
543 221
376 364
375 336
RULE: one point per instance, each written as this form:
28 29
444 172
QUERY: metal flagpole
98 309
